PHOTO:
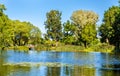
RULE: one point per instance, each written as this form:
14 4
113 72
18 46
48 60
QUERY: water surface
59 64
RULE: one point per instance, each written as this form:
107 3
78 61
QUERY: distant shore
65 48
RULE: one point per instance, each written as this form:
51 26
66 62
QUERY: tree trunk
85 44
19 42
107 41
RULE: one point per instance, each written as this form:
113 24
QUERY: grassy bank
67 48
17 48
74 48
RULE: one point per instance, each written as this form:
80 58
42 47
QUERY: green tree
88 34
106 32
110 29
21 33
53 25
85 22
4 20
35 35
25 32
69 32
17 33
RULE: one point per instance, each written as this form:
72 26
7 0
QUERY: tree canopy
53 25
85 22
17 33
79 30
69 32
110 29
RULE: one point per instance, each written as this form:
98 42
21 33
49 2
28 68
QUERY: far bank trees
85 22
17 33
53 25
110 28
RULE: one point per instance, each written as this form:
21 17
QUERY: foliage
17 33
88 34
3 25
100 47
83 17
81 30
85 22
22 33
35 35
53 25
69 32
110 29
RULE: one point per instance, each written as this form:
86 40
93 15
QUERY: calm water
64 64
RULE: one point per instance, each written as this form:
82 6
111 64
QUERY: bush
102 47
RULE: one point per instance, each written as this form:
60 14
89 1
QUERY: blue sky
34 11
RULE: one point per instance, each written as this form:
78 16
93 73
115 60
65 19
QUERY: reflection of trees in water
3 71
110 73
56 71
53 71
112 66
62 70
66 71
112 61
10 70
82 71
70 71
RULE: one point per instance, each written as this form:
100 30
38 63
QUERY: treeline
17 33
110 28
81 29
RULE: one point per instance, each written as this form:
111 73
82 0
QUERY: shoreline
103 48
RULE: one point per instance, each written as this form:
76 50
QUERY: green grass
69 48
60 47
18 48
100 47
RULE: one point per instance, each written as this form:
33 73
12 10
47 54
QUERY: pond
50 63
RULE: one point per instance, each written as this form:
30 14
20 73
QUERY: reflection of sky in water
86 62
38 71
79 58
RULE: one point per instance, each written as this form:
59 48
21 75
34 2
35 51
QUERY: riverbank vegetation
79 33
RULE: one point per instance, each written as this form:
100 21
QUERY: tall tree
85 22
110 29
53 25
69 32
